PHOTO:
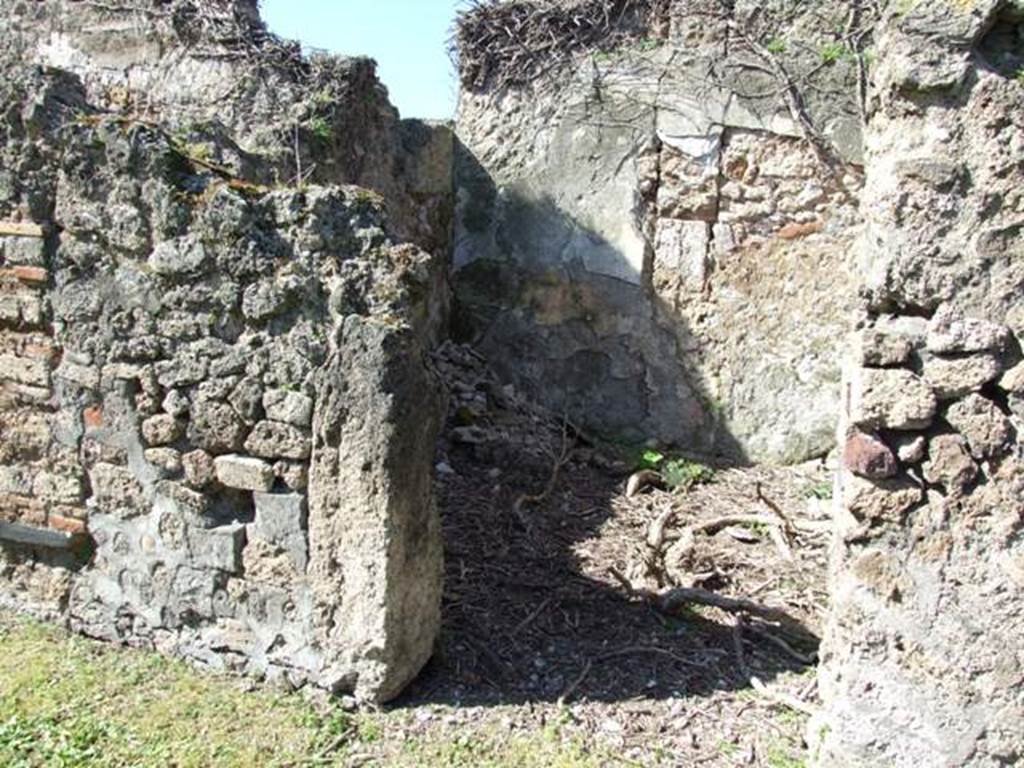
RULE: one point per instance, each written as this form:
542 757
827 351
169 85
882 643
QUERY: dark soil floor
553 608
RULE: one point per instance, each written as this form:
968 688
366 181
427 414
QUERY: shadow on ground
530 611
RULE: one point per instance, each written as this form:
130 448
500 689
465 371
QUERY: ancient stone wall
193 64
646 239
923 662
217 425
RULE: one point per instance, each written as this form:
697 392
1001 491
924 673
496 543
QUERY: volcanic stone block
199 468
867 456
184 256
218 549
879 501
117 490
965 335
281 521
162 430
957 376
987 430
876 348
890 399
216 427
288 407
274 440
949 463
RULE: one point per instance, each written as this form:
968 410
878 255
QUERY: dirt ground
553 611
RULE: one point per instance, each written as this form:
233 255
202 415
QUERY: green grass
68 702
821 491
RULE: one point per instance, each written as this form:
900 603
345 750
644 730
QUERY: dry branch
498 43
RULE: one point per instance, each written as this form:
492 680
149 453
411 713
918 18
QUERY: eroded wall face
923 662
217 427
285 118
663 257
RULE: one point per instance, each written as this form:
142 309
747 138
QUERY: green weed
832 52
321 128
683 474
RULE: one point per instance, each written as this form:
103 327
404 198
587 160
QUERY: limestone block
58 488
162 430
681 247
910 449
1013 380
191 594
30 251
886 398
244 473
946 335
288 407
294 474
867 456
987 431
279 515
10 309
17 480
949 464
81 375
273 440
957 376
24 370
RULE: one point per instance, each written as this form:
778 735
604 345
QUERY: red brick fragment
69 525
793 230
93 417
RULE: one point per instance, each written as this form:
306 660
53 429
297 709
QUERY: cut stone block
244 473
281 521
218 549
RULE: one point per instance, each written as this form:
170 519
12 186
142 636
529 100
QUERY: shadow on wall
586 336
526 618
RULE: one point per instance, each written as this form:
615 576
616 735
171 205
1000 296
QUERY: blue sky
408 38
